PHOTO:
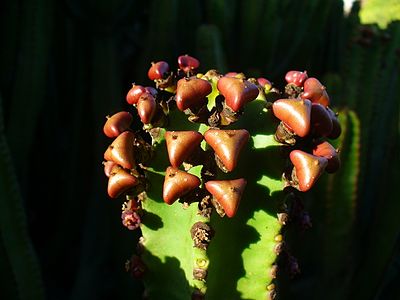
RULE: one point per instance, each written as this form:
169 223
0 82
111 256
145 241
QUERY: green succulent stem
262 165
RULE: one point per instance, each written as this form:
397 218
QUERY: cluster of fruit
216 101
306 120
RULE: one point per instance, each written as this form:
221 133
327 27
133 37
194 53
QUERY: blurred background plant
65 64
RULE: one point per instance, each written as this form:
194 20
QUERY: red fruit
188 63
134 94
108 166
181 144
336 128
321 122
121 150
325 149
158 70
295 113
117 123
227 144
237 91
191 92
146 107
120 181
307 167
178 183
265 83
231 74
296 77
315 92
227 193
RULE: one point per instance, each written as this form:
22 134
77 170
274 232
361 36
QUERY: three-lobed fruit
191 92
117 123
181 144
315 92
188 63
237 91
307 168
296 77
178 183
227 193
227 144
295 113
121 150
120 181
158 70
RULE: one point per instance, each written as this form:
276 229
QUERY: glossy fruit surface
121 150
117 123
181 144
296 77
133 95
295 113
178 183
120 181
188 63
237 91
308 168
146 108
192 92
336 127
227 144
158 70
315 92
321 121
325 149
227 193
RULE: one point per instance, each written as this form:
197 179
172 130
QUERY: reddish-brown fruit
227 193
146 107
133 95
237 91
295 113
191 92
336 128
188 63
321 121
117 123
178 183
296 77
227 144
108 166
265 83
181 144
120 181
315 91
158 70
121 150
308 168
231 74
325 149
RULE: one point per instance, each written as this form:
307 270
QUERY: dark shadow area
171 286
152 220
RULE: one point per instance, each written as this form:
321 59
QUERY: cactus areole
210 176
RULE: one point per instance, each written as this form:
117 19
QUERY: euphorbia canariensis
315 91
213 145
188 63
296 77
117 124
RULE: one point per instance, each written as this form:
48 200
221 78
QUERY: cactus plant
76 56
210 176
